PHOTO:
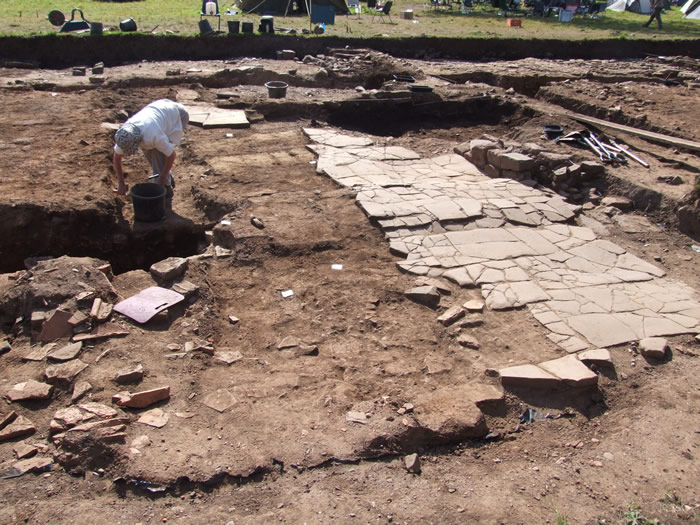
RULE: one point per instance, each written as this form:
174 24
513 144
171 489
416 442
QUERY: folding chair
385 9
204 13
355 7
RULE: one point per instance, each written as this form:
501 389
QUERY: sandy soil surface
330 389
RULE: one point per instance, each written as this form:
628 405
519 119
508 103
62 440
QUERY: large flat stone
19 427
529 376
29 391
231 118
570 370
449 416
169 269
602 329
63 375
426 295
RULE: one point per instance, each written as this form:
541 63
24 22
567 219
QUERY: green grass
29 17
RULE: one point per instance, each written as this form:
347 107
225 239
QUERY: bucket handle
72 14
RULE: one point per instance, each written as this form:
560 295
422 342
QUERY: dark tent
280 7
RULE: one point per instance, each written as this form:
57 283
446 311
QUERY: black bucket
149 201
234 26
205 27
96 28
127 25
267 25
247 27
276 89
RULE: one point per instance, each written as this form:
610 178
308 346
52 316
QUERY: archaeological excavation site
399 290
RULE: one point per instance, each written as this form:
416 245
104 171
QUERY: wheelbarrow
75 25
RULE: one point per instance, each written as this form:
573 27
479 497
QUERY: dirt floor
284 443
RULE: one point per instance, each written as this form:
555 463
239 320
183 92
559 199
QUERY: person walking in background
656 9
157 129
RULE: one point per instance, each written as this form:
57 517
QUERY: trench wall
58 51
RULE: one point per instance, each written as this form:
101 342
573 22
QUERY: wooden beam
649 135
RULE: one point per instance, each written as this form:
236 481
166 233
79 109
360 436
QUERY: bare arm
117 164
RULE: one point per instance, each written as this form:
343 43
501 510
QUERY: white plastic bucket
210 8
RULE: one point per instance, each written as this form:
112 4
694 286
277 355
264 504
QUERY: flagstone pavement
514 240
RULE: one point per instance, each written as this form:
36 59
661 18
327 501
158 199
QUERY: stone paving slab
515 240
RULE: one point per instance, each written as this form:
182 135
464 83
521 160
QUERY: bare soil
283 450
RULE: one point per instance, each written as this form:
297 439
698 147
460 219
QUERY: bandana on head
128 138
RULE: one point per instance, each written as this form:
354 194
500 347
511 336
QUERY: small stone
608 456
169 269
56 327
66 353
100 410
38 318
98 69
228 358
425 295
474 305
142 441
597 463
355 416
29 391
4 347
134 375
412 463
288 342
155 418
451 315
40 464
471 321
233 319
653 347
621 203
79 71
468 341
79 390
141 399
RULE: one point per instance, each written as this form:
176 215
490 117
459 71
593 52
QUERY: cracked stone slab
509 238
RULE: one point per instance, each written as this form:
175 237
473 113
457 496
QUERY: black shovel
75 25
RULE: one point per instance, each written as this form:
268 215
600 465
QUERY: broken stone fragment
233 319
23 450
597 356
471 320
621 203
141 399
100 410
412 463
468 341
169 269
29 391
102 331
288 342
56 327
442 287
155 418
451 315
186 288
449 417
4 347
199 346
19 427
63 375
571 371
79 390
474 305
133 375
70 417
40 464
104 423
355 416
66 353
219 400
653 347
228 358
304 349
530 376
101 310
38 318
425 295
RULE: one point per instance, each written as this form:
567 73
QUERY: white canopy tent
691 9
636 6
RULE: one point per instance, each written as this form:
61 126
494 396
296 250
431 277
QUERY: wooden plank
650 135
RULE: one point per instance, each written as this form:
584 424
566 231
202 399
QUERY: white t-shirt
160 125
